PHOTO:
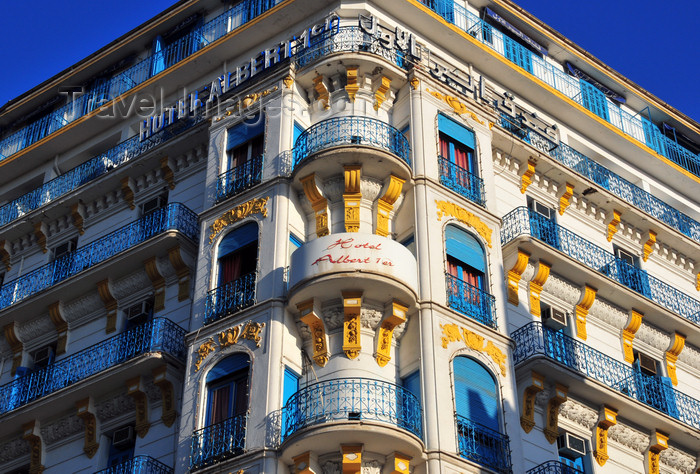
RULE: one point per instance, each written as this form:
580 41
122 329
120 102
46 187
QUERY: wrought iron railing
347 39
230 298
483 445
605 178
471 301
240 178
462 181
138 465
352 399
535 339
171 217
218 442
157 335
92 169
105 91
523 221
341 131
554 467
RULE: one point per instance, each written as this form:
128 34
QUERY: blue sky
655 47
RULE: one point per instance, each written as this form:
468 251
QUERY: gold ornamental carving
677 344
352 458
249 100
5 254
15 344
352 306
310 315
182 271
352 197
249 330
385 204
380 93
587 300
527 171
128 191
168 413
134 388
110 304
32 434
565 198
158 281
514 276
458 106
536 285
415 83
396 316
606 418
323 93
551 431
318 203
527 418
86 413
288 81
612 224
40 232
77 212
352 87
628 334
61 326
254 206
462 215
659 442
648 246
474 341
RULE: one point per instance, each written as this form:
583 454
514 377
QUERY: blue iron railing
92 169
523 221
104 91
240 178
171 217
138 465
483 445
352 399
636 126
157 335
605 178
341 131
348 39
462 181
554 467
230 298
471 301
218 442
535 339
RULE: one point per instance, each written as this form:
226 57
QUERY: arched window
465 256
227 389
238 253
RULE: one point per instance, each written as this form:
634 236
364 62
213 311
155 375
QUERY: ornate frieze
474 341
629 437
114 407
249 330
462 215
61 429
13 449
248 208
579 414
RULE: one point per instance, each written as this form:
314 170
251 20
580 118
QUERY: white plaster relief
370 318
608 312
333 318
330 467
562 289
114 407
61 429
78 307
678 460
35 328
654 337
578 413
13 449
131 284
629 437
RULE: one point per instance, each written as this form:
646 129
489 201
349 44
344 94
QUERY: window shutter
291 385
238 238
476 395
456 131
228 366
465 248
412 383
298 130
251 127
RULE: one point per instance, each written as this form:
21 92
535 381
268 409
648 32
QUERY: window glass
227 389
238 253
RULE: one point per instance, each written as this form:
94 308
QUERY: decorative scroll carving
659 442
322 90
318 203
648 246
514 275
551 431
5 254
310 315
249 330
41 232
587 299
458 106
166 168
128 191
135 391
579 414
352 307
13 449
77 212
397 463
158 281
182 271
110 304
385 204
352 86
168 413
452 333
565 198
288 81
527 419
629 437
527 171
462 215
56 315
612 221
86 412
15 345
628 333
677 344
61 429
240 212
352 197
114 407
206 348
380 93
352 458
607 418
30 432
536 285
396 316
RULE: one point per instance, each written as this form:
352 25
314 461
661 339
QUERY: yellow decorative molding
6 253
352 458
61 326
628 333
415 83
587 300
306 463
697 281
462 215
514 275
606 418
205 348
527 418
536 285
166 168
458 106
135 390
648 246
397 463
322 90
396 316
249 330
385 204
352 197
677 344
254 206
288 81
182 271
351 87
551 430
474 341
527 171
128 191
613 221
310 315
32 434
15 344
318 203
246 102
110 304
352 306
380 93
167 394
658 442
40 232
77 212
86 412
565 198
158 282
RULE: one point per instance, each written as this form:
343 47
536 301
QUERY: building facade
362 237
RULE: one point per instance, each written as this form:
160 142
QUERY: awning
529 41
610 94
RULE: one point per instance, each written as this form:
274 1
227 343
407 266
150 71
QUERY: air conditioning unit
140 312
571 446
63 249
123 437
554 318
541 209
43 357
646 363
154 204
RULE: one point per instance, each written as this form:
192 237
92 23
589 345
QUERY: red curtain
230 268
221 399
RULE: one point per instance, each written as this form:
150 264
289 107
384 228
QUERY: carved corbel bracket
168 413
352 458
15 344
551 431
612 221
696 270
415 83
5 254
606 418
110 304
41 232
128 191
352 86
32 434
526 172
628 333
565 194
306 463
380 94
86 412
310 314
397 463
166 168
674 350
56 315
658 442
514 275
321 89
396 315
352 306
587 299
527 419
385 204
158 282
536 285
318 203
182 271
352 197
77 212
288 81
135 390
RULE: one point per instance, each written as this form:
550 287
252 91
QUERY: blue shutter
238 238
412 383
244 131
456 131
295 241
228 366
298 130
462 246
291 385
476 396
